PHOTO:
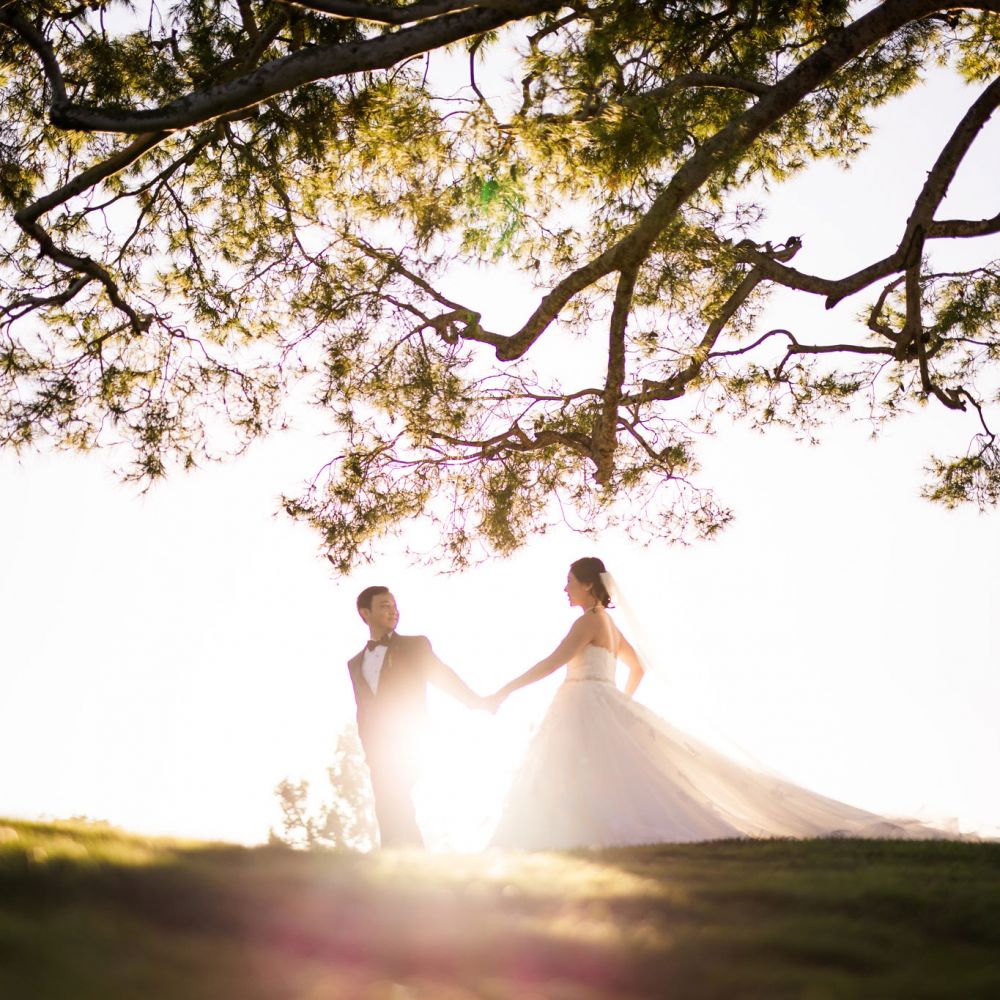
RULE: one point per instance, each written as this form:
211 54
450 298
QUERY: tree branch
719 81
41 47
963 228
936 187
90 177
304 66
358 10
798 348
27 219
20 307
676 386
780 98
605 436
515 438
919 227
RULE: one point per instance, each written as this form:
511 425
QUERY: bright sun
469 760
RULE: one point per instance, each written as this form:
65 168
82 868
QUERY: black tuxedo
389 723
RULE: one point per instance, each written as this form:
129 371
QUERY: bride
605 771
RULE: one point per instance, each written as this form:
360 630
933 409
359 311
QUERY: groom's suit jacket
389 718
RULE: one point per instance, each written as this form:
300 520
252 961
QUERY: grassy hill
91 913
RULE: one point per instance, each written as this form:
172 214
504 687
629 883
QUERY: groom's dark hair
367 595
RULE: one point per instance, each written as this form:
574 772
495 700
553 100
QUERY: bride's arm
628 656
576 638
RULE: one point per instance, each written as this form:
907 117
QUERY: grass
92 913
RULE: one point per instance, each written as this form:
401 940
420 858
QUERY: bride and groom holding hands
390 677
602 770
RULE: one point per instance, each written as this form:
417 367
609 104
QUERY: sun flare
469 761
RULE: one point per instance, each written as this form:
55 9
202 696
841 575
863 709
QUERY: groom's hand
492 702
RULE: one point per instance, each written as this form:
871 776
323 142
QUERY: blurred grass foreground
92 913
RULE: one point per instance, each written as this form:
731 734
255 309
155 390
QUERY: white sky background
168 658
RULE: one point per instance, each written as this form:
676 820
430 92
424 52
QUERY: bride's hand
493 701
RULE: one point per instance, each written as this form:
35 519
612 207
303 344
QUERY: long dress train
604 770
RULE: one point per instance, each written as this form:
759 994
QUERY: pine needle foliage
215 208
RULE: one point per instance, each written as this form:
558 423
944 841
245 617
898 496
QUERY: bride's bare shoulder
584 628
595 627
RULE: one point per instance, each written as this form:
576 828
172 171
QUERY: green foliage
495 208
979 44
346 819
975 476
314 238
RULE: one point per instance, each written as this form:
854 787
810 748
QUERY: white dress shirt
371 666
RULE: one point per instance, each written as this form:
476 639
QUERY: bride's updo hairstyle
588 570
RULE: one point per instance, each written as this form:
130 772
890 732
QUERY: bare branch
875 322
473 50
977 406
606 426
19 307
797 348
963 228
763 338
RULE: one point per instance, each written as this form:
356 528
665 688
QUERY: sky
170 656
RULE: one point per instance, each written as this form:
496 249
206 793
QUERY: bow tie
374 644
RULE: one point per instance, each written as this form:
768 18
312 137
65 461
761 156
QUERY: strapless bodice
593 664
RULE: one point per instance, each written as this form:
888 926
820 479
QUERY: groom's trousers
392 787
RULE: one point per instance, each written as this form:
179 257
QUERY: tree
216 204
346 819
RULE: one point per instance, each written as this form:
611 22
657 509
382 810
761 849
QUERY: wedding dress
604 770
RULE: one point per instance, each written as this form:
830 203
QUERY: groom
390 677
